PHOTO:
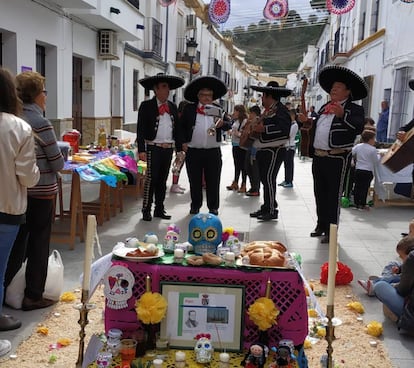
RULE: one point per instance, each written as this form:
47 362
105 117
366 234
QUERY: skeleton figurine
203 348
171 238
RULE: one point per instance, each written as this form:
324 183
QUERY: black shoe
256 213
146 216
267 216
8 322
162 214
404 234
213 212
325 239
317 232
252 193
194 211
31 304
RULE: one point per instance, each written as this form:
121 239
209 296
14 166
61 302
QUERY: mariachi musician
156 134
331 140
272 134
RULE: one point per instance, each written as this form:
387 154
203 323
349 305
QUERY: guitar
400 154
305 141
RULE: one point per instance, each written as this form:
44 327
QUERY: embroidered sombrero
216 85
273 89
411 84
334 73
173 81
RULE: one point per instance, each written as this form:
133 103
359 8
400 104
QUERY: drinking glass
128 349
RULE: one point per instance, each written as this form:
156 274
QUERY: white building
374 40
93 53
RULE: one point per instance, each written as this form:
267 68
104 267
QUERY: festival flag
219 11
276 9
166 3
339 6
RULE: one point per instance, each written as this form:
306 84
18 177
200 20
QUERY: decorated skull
203 349
171 238
204 233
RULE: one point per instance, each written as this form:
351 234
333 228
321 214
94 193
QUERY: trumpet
211 131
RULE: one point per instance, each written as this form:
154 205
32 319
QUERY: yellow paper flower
312 313
43 330
64 341
263 313
67 296
151 308
374 328
307 344
356 306
321 331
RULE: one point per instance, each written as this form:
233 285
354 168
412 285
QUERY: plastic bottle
102 142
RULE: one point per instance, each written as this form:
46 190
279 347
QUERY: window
134 3
41 59
374 17
399 113
135 89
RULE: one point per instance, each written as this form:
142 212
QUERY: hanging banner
166 3
219 11
407 1
276 9
339 6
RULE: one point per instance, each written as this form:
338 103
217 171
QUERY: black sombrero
213 83
273 89
173 81
334 73
411 84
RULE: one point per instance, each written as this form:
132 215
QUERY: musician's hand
335 108
401 135
185 147
259 128
219 123
142 156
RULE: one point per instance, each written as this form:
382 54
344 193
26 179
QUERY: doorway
77 94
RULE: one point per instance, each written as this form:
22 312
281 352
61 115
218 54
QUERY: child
366 161
392 271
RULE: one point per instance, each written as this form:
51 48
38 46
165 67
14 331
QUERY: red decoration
166 3
340 6
199 336
343 276
276 9
219 11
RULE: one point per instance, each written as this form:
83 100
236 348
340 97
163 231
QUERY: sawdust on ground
351 343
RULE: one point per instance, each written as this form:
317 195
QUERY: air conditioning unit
191 21
108 45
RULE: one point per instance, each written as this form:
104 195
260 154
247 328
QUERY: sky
245 12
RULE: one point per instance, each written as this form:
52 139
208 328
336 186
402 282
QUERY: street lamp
191 52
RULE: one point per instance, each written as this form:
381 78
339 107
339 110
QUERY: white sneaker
175 188
5 347
182 188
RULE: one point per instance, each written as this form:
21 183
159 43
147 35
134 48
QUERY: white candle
179 356
229 258
224 357
178 253
333 253
90 234
157 363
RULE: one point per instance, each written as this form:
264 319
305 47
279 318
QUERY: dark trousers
289 164
252 170
155 186
32 242
239 155
199 160
329 174
269 160
363 180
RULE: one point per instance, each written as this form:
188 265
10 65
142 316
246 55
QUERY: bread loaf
265 253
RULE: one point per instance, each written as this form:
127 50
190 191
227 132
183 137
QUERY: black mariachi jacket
343 130
185 127
148 119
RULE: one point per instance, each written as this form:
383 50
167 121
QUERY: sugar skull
204 233
203 349
171 238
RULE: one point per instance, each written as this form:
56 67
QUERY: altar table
287 292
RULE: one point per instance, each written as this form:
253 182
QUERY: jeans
389 296
8 235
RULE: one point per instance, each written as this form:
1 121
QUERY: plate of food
240 263
139 254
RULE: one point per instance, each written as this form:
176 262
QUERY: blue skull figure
204 233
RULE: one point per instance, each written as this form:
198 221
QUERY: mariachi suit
201 160
329 167
159 155
271 152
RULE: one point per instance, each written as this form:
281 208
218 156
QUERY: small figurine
204 233
203 348
150 238
171 238
284 355
256 357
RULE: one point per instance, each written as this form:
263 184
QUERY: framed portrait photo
203 308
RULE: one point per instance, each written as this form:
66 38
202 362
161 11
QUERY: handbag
53 286
406 320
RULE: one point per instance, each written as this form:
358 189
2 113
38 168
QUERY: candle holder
330 334
84 309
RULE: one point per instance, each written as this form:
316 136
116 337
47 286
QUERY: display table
287 292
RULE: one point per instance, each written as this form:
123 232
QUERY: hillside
278 47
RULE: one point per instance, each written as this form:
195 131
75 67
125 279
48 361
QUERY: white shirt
292 135
365 156
200 138
165 128
323 128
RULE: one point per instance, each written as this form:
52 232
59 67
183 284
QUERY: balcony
76 4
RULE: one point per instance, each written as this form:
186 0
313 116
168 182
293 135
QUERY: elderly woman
18 162
33 239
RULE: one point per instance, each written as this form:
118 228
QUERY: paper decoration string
407 1
275 9
339 6
166 3
219 11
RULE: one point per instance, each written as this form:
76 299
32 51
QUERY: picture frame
212 309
